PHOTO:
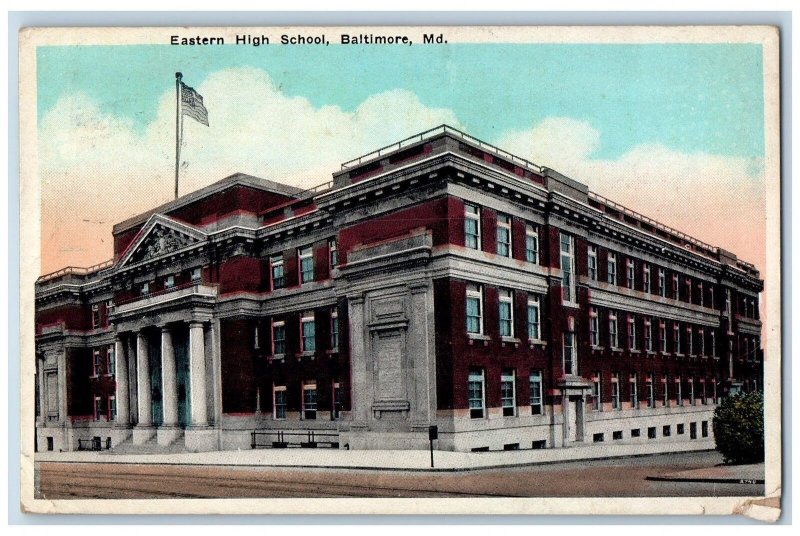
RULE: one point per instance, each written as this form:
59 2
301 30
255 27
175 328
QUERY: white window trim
570 255
504 378
306 318
611 276
648 334
335 333
594 327
597 397
630 274
506 296
613 334
532 231
633 384
632 342
646 283
278 324
501 224
592 255
662 283
308 385
332 251
482 381
616 398
535 378
275 389
573 351
276 261
533 301
477 217
305 253
475 291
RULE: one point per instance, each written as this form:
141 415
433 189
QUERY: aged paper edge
762 508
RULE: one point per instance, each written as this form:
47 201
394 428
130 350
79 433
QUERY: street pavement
617 477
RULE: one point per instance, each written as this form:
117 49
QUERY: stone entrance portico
167 361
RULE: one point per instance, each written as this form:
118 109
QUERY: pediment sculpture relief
160 241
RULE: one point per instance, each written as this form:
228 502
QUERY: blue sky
690 98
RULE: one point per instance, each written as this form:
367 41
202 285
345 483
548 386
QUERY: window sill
598 348
679 355
304 354
332 351
276 357
510 340
636 351
537 342
484 339
650 352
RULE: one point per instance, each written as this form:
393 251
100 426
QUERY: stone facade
439 282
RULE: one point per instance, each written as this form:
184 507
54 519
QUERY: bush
739 428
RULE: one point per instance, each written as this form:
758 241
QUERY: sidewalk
405 460
720 474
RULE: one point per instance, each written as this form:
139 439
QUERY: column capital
195 323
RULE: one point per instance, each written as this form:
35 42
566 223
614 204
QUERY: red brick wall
75 317
240 274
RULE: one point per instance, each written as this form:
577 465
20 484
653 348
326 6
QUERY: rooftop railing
438 131
76 271
660 226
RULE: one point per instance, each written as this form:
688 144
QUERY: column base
201 439
166 435
142 434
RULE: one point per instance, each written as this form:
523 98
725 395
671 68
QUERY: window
593 263
701 338
308 328
472 226
145 288
276 266
95 316
646 277
662 337
666 430
570 361
306 256
676 338
309 400
109 310
98 408
279 401
675 287
196 274
594 327
537 407
711 297
474 309
506 313
567 267
612 268
507 393
689 341
728 303
631 332
533 318
338 400
630 274
475 394
333 254
634 385
679 390
169 282
504 235
615 403
111 360
613 334
97 363
651 432
691 392
648 334
597 386
278 338
688 282
532 243
665 385
334 329
662 283
700 291
256 344
703 392
112 408
713 343
651 395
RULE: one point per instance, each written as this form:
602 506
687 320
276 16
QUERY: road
621 477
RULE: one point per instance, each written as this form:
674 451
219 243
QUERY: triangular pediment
158 237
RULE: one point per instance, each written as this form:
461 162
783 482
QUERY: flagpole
178 133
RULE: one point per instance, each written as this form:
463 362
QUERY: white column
197 374
144 395
169 384
42 393
121 379
62 386
133 397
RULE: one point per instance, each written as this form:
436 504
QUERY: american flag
192 104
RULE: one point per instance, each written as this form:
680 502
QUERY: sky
673 131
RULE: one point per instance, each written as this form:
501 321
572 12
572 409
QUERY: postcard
506 270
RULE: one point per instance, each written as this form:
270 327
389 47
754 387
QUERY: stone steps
151 446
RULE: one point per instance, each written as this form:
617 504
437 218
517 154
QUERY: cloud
97 169
717 199
96 166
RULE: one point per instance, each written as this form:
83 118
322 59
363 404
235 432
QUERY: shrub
739 428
